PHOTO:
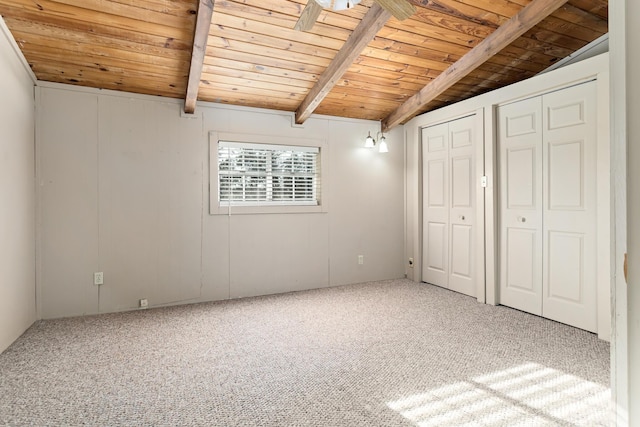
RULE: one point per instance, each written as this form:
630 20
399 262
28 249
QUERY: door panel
567 114
566 175
569 180
436 139
461 244
520 175
521 260
461 182
436 247
462 133
521 123
437 179
462 210
435 207
566 261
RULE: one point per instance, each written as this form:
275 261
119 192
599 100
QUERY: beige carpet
391 353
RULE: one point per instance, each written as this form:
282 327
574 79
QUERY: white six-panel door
435 205
462 251
569 217
547 158
448 205
520 158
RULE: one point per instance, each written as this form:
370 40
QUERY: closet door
520 152
448 179
435 205
461 212
548 228
569 187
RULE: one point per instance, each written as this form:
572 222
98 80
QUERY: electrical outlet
98 278
411 262
143 303
360 259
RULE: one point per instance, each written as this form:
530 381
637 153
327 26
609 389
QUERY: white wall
17 193
592 68
124 190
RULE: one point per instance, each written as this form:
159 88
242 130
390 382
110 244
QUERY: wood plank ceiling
255 58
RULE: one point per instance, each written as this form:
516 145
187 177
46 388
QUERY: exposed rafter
308 16
401 10
366 30
519 24
254 59
203 22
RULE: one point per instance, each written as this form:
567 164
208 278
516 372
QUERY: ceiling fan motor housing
337 4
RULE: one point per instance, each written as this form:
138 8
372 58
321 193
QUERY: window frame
217 207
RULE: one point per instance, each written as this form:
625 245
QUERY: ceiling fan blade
401 9
308 16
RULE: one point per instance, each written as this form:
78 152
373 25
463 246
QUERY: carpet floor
391 353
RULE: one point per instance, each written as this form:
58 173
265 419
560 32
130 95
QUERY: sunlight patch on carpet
526 394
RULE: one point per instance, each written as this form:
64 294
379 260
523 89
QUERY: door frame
625 328
604 245
479 155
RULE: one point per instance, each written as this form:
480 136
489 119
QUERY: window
264 175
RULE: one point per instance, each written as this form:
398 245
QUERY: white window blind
263 174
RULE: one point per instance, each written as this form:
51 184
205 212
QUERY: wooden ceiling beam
507 33
366 30
401 10
308 17
203 22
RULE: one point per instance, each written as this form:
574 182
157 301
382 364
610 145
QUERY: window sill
277 209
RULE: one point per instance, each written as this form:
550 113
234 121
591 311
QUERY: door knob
522 219
462 217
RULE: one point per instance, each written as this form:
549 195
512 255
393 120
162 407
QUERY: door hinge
483 181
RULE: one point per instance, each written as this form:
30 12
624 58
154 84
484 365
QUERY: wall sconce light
369 142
